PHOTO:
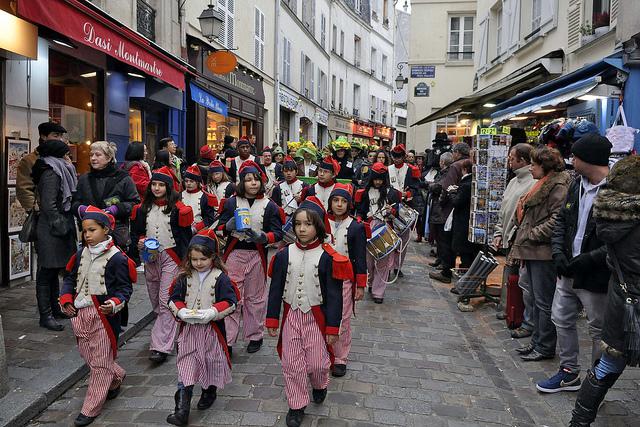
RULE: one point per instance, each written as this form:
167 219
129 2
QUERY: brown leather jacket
533 238
25 188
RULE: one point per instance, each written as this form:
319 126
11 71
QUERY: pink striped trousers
304 357
159 275
379 269
405 237
245 269
95 349
342 348
201 359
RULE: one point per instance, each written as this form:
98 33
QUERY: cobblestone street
416 361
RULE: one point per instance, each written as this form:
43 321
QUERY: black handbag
631 317
29 229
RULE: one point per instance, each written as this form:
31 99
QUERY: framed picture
16 150
19 258
16 214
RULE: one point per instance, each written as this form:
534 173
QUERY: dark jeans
542 276
466 258
445 252
47 291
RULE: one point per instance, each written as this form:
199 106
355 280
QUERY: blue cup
243 219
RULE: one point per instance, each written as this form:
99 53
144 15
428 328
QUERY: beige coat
25 188
533 237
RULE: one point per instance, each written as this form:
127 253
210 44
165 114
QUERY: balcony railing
146 20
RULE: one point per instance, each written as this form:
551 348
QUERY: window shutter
613 20
514 23
323 30
549 11
287 62
312 82
484 40
574 20
230 24
222 6
302 73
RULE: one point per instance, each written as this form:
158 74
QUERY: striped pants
95 349
201 358
159 275
245 269
406 238
304 357
343 346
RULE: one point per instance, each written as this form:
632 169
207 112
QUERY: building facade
400 66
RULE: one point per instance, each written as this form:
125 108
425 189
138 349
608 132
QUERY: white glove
187 316
452 188
208 315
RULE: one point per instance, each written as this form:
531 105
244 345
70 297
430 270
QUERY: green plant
586 29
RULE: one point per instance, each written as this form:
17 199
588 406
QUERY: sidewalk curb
29 405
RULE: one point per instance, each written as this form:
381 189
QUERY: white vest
397 176
288 193
90 279
271 177
193 200
302 285
257 214
323 194
374 210
201 295
239 163
219 189
340 231
159 227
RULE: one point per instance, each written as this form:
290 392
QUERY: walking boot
43 296
254 345
83 420
295 417
208 397
180 416
50 323
590 396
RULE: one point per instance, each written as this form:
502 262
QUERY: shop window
218 126
74 102
135 125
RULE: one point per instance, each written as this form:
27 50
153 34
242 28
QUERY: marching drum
383 242
288 236
407 217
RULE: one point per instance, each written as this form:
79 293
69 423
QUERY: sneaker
437 275
564 380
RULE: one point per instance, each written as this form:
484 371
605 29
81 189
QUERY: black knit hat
592 148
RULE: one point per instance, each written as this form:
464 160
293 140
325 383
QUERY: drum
407 217
289 236
383 242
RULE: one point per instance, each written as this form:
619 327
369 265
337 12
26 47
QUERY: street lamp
210 23
401 80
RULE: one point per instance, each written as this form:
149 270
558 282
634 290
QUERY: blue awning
555 97
208 100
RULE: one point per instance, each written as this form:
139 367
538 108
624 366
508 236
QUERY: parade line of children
209 252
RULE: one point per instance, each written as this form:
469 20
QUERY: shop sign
532 133
322 116
384 132
421 89
488 131
288 100
242 83
338 124
68 18
222 62
423 71
362 129
207 100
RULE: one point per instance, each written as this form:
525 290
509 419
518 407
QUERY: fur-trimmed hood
616 206
540 196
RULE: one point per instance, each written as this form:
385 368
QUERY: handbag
631 317
29 229
621 136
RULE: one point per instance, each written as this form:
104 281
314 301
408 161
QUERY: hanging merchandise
489 183
622 137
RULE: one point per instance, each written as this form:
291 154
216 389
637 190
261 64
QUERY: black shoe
83 420
369 289
208 397
180 416
520 333
525 349
59 315
400 273
440 277
378 300
319 395
454 291
50 323
339 370
157 356
112 394
501 315
254 346
230 351
534 356
590 396
433 252
435 263
295 417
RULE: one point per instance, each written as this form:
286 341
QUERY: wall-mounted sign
362 129
423 71
222 62
208 100
488 131
384 132
421 89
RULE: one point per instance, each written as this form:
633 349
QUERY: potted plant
588 34
601 23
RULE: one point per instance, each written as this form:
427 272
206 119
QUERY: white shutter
312 82
483 29
319 86
302 73
549 11
222 35
513 7
259 39
313 17
230 40
323 30
614 13
574 21
287 62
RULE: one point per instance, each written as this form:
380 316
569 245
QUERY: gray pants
564 314
542 277
527 297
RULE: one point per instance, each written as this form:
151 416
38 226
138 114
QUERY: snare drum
407 217
383 242
288 236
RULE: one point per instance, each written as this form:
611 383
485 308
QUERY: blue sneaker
564 380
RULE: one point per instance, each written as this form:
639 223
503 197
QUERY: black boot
44 297
50 323
254 345
295 417
208 397
590 396
180 417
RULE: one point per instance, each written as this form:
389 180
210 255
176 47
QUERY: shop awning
84 23
207 99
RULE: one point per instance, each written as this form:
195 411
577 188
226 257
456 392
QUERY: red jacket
140 176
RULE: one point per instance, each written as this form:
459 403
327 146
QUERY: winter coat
346 168
436 212
56 229
140 175
461 201
25 187
589 269
104 188
533 238
519 185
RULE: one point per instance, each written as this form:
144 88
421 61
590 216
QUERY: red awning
79 22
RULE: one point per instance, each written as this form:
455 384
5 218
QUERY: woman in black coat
108 188
55 179
461 200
